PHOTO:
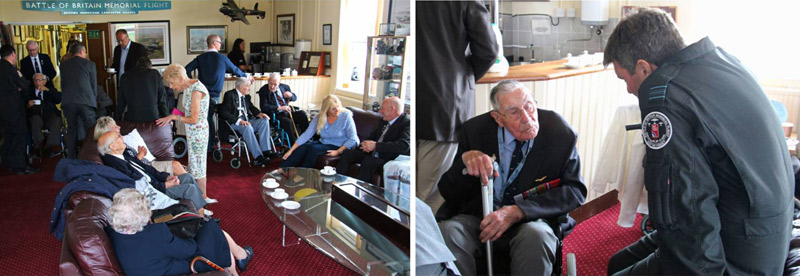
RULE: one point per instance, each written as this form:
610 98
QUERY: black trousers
52 124
637 259
369 164
79 118
212 108
13 150
300 124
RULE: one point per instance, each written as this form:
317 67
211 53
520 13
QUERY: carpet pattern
595 240
27 248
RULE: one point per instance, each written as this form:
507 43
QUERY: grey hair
129 212
174 72
397 103
46 78
240 82
31 42
275 75
210 39
650 35
102 125
105 147
504 87
77 48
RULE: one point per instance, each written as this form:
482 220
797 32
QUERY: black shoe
27 170
272 154
242 264
261 161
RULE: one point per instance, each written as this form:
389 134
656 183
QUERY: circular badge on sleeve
656 130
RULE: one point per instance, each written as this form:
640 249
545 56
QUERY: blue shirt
212 66
341 132
506 151
123 57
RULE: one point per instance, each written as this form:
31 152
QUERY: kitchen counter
540 71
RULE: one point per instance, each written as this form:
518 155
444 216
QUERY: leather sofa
157 139
366 122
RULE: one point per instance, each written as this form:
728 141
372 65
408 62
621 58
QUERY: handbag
181 220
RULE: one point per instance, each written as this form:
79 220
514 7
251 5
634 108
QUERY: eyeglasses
218 41
39 80
516 113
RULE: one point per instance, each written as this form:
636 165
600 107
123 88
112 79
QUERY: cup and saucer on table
279 194
270 183
328 171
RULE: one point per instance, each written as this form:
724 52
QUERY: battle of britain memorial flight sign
96 7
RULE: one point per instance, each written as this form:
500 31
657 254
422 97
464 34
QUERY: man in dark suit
127 53
274 99
79 96
12 113
534 149
446 77
142 96
238 111
42 111
390 139
112 148
37 62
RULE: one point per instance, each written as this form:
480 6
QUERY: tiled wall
517 31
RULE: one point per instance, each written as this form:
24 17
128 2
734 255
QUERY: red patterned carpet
595 240
27 248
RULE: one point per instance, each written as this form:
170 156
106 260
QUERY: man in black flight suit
717 168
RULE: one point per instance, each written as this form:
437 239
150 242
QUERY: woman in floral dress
195 102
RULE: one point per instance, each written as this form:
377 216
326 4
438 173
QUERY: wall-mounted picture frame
196 38
672 11
387 28
327 33
154 35
285 29
400 14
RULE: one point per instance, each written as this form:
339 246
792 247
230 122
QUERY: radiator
587 102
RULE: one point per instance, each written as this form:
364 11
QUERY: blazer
553 156
445 75
142 92
267 100
79 82
211 67
230 107
12 105
26 67
397 138
157 178
48 108
135 52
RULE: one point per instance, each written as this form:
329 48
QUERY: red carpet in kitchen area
27 248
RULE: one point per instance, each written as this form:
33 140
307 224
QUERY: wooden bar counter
540 72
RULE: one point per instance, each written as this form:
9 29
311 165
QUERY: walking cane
487 200
294 125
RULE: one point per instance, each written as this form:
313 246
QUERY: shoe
242 264
261 161
208 212
26 170
272 154
211 201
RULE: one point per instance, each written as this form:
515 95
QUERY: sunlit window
358 20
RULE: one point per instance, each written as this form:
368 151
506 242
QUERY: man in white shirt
36 62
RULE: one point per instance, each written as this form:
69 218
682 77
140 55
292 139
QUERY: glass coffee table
333 229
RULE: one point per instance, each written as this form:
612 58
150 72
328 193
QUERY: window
359 19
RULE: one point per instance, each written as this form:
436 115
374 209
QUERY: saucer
270 185
572 66
327 174
290 205
279 196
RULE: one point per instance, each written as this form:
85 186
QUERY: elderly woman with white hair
195 102
143 248
337 132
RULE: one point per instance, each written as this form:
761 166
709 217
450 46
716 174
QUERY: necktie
39 94
36 66
279 98
140 169
380 139
242 112
516 158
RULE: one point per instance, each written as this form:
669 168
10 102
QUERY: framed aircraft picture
196 38
154 35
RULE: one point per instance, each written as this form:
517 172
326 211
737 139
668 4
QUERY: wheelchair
279 135
233 138
45 132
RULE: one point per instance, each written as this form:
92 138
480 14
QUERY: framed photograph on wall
154 35
400 14
196 38
285 29
327 30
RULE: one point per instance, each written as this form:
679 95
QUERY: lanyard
526 148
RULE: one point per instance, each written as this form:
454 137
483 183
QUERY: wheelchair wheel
217 155
647 226
235 163
179 146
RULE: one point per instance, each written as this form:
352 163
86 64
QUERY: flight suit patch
656 130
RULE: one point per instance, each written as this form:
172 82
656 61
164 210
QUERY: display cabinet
386 70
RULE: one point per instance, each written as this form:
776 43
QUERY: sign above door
96 7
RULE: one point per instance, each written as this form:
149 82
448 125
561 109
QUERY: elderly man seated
390 139
238 111
112 148
274 99
533 147
105 124
43 113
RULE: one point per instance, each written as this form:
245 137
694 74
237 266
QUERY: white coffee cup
270 180
279 191
257 75
329 170
228 75
37 102
112 70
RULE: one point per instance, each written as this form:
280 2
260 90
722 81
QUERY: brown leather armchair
157 139
366 122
